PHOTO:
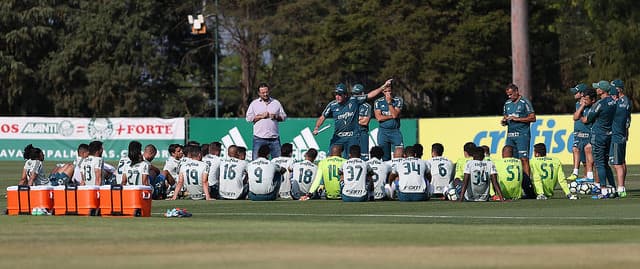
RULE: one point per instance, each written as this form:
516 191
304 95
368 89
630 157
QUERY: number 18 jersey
304 172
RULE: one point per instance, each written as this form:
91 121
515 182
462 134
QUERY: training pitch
554 233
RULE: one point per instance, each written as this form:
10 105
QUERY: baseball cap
341 89
617 83
603 85
578 88
357 89
613 91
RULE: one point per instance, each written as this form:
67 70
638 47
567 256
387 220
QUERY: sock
604 191
621 189
597 185
590 175
575 171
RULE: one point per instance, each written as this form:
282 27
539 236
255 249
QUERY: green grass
326 234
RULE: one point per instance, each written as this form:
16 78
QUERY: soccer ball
573 187
452 194
584 188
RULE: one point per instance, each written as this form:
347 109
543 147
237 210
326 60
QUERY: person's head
419 150
242 153
311 155
195 153
354 151
487 150
540 150
619 86
95 148
135 152
32 153
410 151
336 150
398 152
204 149
437 150
150 152
341 93
478 153
263 151
357 89
83 150
388 91
232 151
176 151
194 143
286 150
215 148
264 91
577 90
376 152
507 151
602 88
589 96
512 92
468 149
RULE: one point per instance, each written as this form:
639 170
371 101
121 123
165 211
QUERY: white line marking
403 216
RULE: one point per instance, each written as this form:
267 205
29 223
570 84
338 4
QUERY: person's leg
384 144
395 139
257 143
274 147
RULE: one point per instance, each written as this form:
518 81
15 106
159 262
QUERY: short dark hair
312 153
215 147
286 150
94 146
469 147
135 152
354 150
512 86
151 148
419 149
410 151
204 149
540 148
478 153
376 152
264 151
241 150
173 147
591 93
437 148
486 149
263 85
83 147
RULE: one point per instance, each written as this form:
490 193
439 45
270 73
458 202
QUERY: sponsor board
297 131
59 137
555 131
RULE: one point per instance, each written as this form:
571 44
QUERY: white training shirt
193 172
134 172
261 173
442 171
89 167
173 166
380 176
286 163
355 172
214 168
411 175
304 172
480 176
232 174
77 169
35 166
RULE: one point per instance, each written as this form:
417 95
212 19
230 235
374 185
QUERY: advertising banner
297 131
59 137
555 131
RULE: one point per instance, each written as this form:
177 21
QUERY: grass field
330 234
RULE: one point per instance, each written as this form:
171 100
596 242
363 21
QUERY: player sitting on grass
137 172
92 165
233 176
213 160
477 174
411 178
285 161
547 172
441 170
462 162
355 175
302 175
264 176
33 171
171 167
510 175
327 175
194 175
381 172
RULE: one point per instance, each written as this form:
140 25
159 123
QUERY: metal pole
520 60
215 53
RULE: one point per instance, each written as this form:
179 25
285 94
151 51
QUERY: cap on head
578 88
617 83
357 89
603 85
613 91
341 89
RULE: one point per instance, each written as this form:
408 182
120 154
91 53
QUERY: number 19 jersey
192 172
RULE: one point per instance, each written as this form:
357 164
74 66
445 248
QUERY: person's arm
98 173
593 114
496 186
124 179
205 186
578 114
467 178
280 115
23 178
374 93
33 177
561 179
528 119
316 181
537 179
319 122
395 108
178 186
145 180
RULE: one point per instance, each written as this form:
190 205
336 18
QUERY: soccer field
330 234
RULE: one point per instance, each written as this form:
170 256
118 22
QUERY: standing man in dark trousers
265 113
387 112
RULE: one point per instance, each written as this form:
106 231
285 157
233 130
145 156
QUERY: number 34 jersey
480 176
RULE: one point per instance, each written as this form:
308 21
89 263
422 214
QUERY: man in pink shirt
265 113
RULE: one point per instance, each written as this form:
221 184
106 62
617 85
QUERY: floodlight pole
215 56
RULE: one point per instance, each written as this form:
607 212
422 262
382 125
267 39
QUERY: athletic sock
589 175
621 189
575 171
